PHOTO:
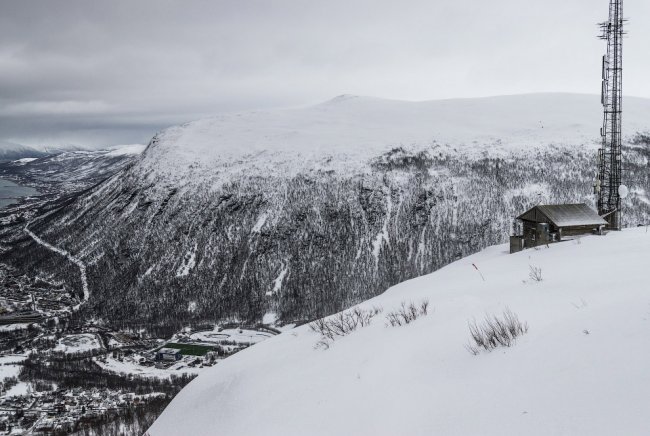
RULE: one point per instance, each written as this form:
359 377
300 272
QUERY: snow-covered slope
126 150
582 369
348 131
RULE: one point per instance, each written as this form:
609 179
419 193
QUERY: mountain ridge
13 151
357 128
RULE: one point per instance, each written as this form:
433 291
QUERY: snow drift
582 368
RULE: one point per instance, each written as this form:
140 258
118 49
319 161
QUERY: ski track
70 257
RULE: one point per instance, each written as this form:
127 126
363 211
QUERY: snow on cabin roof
564 215
169 351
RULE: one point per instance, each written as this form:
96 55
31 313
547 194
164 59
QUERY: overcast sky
107 72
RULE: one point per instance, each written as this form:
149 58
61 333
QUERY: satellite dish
623 191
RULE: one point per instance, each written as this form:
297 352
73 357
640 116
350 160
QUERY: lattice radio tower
608 184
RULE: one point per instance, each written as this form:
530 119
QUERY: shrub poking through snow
535 273
495 332
342 324
407 313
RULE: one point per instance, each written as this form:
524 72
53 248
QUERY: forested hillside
238 216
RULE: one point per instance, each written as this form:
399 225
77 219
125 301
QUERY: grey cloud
116 71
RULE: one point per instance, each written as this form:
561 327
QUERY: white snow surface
25 160
348 131
277 283
9 366
78 343
21 389
13 327
235 335
582 369
130 367
188 262
126 150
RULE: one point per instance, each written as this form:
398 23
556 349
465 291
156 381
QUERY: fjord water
10 192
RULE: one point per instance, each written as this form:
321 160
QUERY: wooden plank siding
540 228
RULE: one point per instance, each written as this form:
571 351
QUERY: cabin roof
564 215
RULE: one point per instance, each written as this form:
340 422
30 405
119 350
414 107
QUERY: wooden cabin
544 224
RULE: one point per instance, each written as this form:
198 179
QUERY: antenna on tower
607 187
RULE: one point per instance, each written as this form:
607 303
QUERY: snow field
580 370
243 336
78 343
344 133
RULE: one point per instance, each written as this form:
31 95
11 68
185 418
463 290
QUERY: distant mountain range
69 171
13 151
304 211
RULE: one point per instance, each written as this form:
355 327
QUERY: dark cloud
102 72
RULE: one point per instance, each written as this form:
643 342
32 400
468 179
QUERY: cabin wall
579 230
535 234
530 234
538 229
516 244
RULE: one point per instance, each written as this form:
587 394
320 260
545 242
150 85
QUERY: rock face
302 212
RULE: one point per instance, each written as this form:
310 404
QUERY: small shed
544 224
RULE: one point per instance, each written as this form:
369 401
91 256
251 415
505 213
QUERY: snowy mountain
348 132
302 212
12 151
61 148
581 369
70 170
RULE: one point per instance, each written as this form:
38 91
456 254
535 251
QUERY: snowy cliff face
581 369
302 212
